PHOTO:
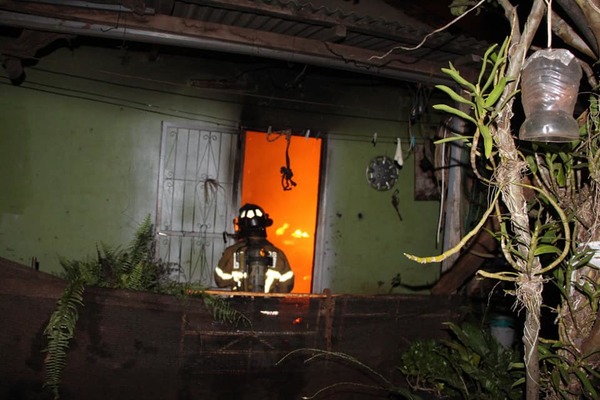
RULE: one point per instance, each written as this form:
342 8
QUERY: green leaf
488 143
498 59
484 61
60 330
587 385
454 74
453 139
495 93
555 377
516 365
532 163
454 96
459 348
518 382
452 110
546 249
471 337
480 106
567 158
564 373
561 178
590 369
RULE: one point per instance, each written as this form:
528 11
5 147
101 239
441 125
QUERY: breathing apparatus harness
252 262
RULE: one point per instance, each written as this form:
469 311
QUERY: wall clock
382 173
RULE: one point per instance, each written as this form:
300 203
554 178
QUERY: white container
502 328
595 261
550 83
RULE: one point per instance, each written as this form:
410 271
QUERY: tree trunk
509 175
509 178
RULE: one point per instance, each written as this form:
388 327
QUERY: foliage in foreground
540 244
131 268
60 330
569 365
472 365
378 385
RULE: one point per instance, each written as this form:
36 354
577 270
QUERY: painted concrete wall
362 228
79 154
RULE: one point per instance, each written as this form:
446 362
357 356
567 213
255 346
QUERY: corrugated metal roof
343 32
313 19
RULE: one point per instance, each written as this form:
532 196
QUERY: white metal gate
195 199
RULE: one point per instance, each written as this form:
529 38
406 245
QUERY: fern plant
132 268
221 310
60 330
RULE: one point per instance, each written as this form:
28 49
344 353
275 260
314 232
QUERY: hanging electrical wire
287 183
441 171
286 171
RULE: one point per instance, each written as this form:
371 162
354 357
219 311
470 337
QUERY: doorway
291 203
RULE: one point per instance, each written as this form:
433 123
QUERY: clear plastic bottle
549 83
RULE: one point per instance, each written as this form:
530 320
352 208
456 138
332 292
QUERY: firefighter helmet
252 220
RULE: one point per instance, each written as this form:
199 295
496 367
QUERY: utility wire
134 107
194 116
265 97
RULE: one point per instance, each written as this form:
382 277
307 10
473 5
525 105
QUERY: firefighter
253 264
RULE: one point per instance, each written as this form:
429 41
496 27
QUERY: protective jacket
253 264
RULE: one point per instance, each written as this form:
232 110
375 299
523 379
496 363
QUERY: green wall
73 173
79 155
79 152
363 229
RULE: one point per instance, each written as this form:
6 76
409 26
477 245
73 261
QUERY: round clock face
382 173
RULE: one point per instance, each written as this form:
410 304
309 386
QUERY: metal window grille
195 200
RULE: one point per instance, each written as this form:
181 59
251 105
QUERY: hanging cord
443 132
419 105
286 171
549 22
396 202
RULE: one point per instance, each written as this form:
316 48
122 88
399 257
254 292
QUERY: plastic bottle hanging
550 83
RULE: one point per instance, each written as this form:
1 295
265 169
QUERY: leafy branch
481 98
